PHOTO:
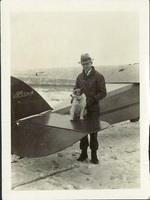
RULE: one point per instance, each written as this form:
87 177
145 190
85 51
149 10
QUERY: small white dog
78 104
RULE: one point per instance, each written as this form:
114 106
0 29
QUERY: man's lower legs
83 146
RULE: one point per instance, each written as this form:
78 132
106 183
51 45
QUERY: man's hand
91 100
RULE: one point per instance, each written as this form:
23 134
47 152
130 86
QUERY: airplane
39 130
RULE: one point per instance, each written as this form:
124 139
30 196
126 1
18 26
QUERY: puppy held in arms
78 104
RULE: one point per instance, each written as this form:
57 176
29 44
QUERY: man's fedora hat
85 58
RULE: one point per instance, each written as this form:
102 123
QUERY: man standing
92 83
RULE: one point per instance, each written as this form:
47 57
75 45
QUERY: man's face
87 66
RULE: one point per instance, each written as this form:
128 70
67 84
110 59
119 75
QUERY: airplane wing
47 134
124 74
119 105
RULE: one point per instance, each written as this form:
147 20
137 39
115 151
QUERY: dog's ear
75 91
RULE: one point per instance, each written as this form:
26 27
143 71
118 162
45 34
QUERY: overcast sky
57 39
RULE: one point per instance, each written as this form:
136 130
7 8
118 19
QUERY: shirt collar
87 73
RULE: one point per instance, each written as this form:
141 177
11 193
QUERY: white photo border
140 6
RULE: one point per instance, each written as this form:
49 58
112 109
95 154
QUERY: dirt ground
119 168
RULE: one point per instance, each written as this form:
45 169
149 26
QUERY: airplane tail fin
25 101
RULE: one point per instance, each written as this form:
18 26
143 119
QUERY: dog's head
76 93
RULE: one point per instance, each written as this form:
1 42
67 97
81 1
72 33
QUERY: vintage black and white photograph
75 98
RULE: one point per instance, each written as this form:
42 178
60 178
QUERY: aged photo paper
44 44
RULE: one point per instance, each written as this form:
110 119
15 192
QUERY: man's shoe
94 159
82 157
